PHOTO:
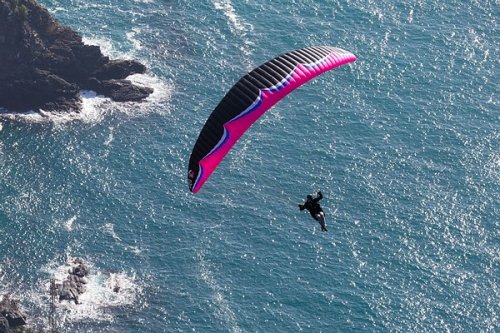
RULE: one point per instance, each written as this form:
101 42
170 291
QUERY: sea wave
239 27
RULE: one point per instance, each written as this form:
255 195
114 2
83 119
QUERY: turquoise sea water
404 144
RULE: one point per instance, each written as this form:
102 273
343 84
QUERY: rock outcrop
74 284
11 315
4 325
44 64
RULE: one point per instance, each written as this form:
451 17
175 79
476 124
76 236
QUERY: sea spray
104 291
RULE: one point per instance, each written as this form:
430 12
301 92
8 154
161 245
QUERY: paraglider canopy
252 96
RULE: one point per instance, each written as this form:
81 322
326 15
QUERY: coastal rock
74 284
4 325
42 87
118 69
121 90
10 310
69 291
44 64
81 270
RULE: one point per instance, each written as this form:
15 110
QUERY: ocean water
404 144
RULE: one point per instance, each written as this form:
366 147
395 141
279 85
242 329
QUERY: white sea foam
106 46
222 308
59 9
136 43
227 7
238 27
110 138
101 294
162 90
103 291
68 224
96 107
110 229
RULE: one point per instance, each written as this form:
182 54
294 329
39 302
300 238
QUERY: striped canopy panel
250 97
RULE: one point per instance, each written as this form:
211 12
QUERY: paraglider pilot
314 208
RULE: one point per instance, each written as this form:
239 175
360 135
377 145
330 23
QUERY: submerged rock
44 64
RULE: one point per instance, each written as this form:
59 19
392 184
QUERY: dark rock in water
81 270
119 69
4 325
123 90
42 87
74 284
9 309
69 291
78 283
44 64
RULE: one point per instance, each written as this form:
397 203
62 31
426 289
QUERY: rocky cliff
44 64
